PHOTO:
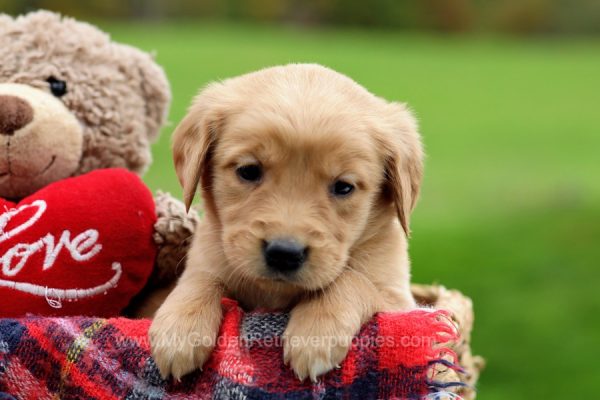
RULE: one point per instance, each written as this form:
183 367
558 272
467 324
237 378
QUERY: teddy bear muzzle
41 140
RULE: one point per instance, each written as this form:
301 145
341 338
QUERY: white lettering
81 248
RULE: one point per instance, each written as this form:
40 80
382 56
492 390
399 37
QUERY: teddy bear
80 234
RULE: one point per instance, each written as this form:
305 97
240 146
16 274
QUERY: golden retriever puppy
308 182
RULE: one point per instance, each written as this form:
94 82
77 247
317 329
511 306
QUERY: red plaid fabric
92 358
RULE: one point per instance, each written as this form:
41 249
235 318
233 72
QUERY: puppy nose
284 255
15 113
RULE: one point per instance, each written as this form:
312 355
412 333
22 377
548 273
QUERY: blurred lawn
510 210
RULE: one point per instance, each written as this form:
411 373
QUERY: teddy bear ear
156 93
5 21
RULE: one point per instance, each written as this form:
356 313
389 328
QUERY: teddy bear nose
15 113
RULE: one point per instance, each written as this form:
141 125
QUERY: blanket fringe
442 396
444 356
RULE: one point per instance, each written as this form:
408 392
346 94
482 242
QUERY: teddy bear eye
57 87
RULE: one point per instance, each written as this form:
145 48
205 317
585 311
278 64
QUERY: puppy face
297 164
305 191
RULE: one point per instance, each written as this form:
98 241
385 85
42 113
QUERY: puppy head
296 165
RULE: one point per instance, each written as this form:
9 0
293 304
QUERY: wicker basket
461 309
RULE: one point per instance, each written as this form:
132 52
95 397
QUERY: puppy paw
313 349
181 343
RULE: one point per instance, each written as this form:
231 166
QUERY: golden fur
306 126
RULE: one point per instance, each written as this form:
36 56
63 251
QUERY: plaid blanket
394 356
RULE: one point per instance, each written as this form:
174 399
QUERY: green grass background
509 212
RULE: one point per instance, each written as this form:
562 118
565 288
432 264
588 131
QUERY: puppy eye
57 87
249 173
341 188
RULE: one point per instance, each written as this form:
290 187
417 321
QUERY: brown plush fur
116 102
306 126
117 94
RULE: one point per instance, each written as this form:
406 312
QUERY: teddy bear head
72 101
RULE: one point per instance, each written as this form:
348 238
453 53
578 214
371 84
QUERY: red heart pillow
79 246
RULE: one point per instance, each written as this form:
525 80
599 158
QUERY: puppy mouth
279 277
287 279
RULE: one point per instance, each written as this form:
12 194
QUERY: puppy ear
403 160
192 142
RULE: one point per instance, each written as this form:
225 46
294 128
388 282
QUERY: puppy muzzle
284 255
